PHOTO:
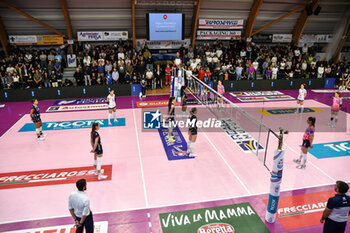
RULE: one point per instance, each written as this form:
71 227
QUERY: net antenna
207 96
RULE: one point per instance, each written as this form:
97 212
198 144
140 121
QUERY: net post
276 179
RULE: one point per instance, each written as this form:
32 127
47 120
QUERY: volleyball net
250 135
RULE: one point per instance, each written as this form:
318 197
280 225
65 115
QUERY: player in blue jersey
97 150
192 133
35 115
183 101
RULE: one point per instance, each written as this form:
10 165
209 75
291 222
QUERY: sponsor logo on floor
174 150
78 124
330 149
302 210
284 111
50 177
81 101
99 227
240 218
243 139
152 103
265 98
77 107
255 93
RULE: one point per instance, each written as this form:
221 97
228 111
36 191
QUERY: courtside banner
153 103
81 101
302 210
99 227
77 107
255 93
221 35
51 177
77 124
242 138
174 150
264 98
220 24
284 111
330 149
238 218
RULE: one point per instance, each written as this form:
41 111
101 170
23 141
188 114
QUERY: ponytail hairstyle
312 120
33 100
338 93
170 101
94 126
193 111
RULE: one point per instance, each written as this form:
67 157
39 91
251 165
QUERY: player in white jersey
111 107
301 98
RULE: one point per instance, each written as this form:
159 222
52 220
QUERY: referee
79 208
335 216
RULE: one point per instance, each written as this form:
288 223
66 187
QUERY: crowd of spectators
119 62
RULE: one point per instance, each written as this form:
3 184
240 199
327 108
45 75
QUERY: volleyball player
307 142
111 107
35 116
301 98
192 133
97 150
183 101
337 104
221 91
171 118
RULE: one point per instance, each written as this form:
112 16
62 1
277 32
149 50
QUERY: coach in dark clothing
335 216
79 208
79 77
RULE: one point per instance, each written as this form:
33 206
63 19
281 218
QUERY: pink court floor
143 184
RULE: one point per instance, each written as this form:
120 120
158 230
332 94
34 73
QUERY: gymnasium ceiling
92 15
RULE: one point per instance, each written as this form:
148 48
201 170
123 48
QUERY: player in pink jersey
221 91
307 142
337 104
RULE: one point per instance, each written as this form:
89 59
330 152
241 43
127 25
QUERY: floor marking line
324 173
140 159
13 126
227 164
177 204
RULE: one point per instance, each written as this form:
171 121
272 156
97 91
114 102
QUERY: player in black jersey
97 150
183 101
192 133
171 118
35 115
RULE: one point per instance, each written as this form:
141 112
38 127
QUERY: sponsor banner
77 107
331 149
283 38
90 36
77 124
265 98
49 40
81 101
2 105
240 218
330 91
99 227
174 150
115 35
284 111
51 177
324 38
220 24
312 38
195 101
262 38
30 39
301 211
255 93
242 138
153 103
162 44
222 35
72 60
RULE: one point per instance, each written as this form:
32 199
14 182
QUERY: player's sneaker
330 123
115 120
192 155
109 123
333 125
41 138
301 166
296 161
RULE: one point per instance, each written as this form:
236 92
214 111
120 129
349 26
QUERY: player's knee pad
37 130
305 156
336 117
99 162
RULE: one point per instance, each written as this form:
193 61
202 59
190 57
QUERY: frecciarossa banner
220 24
